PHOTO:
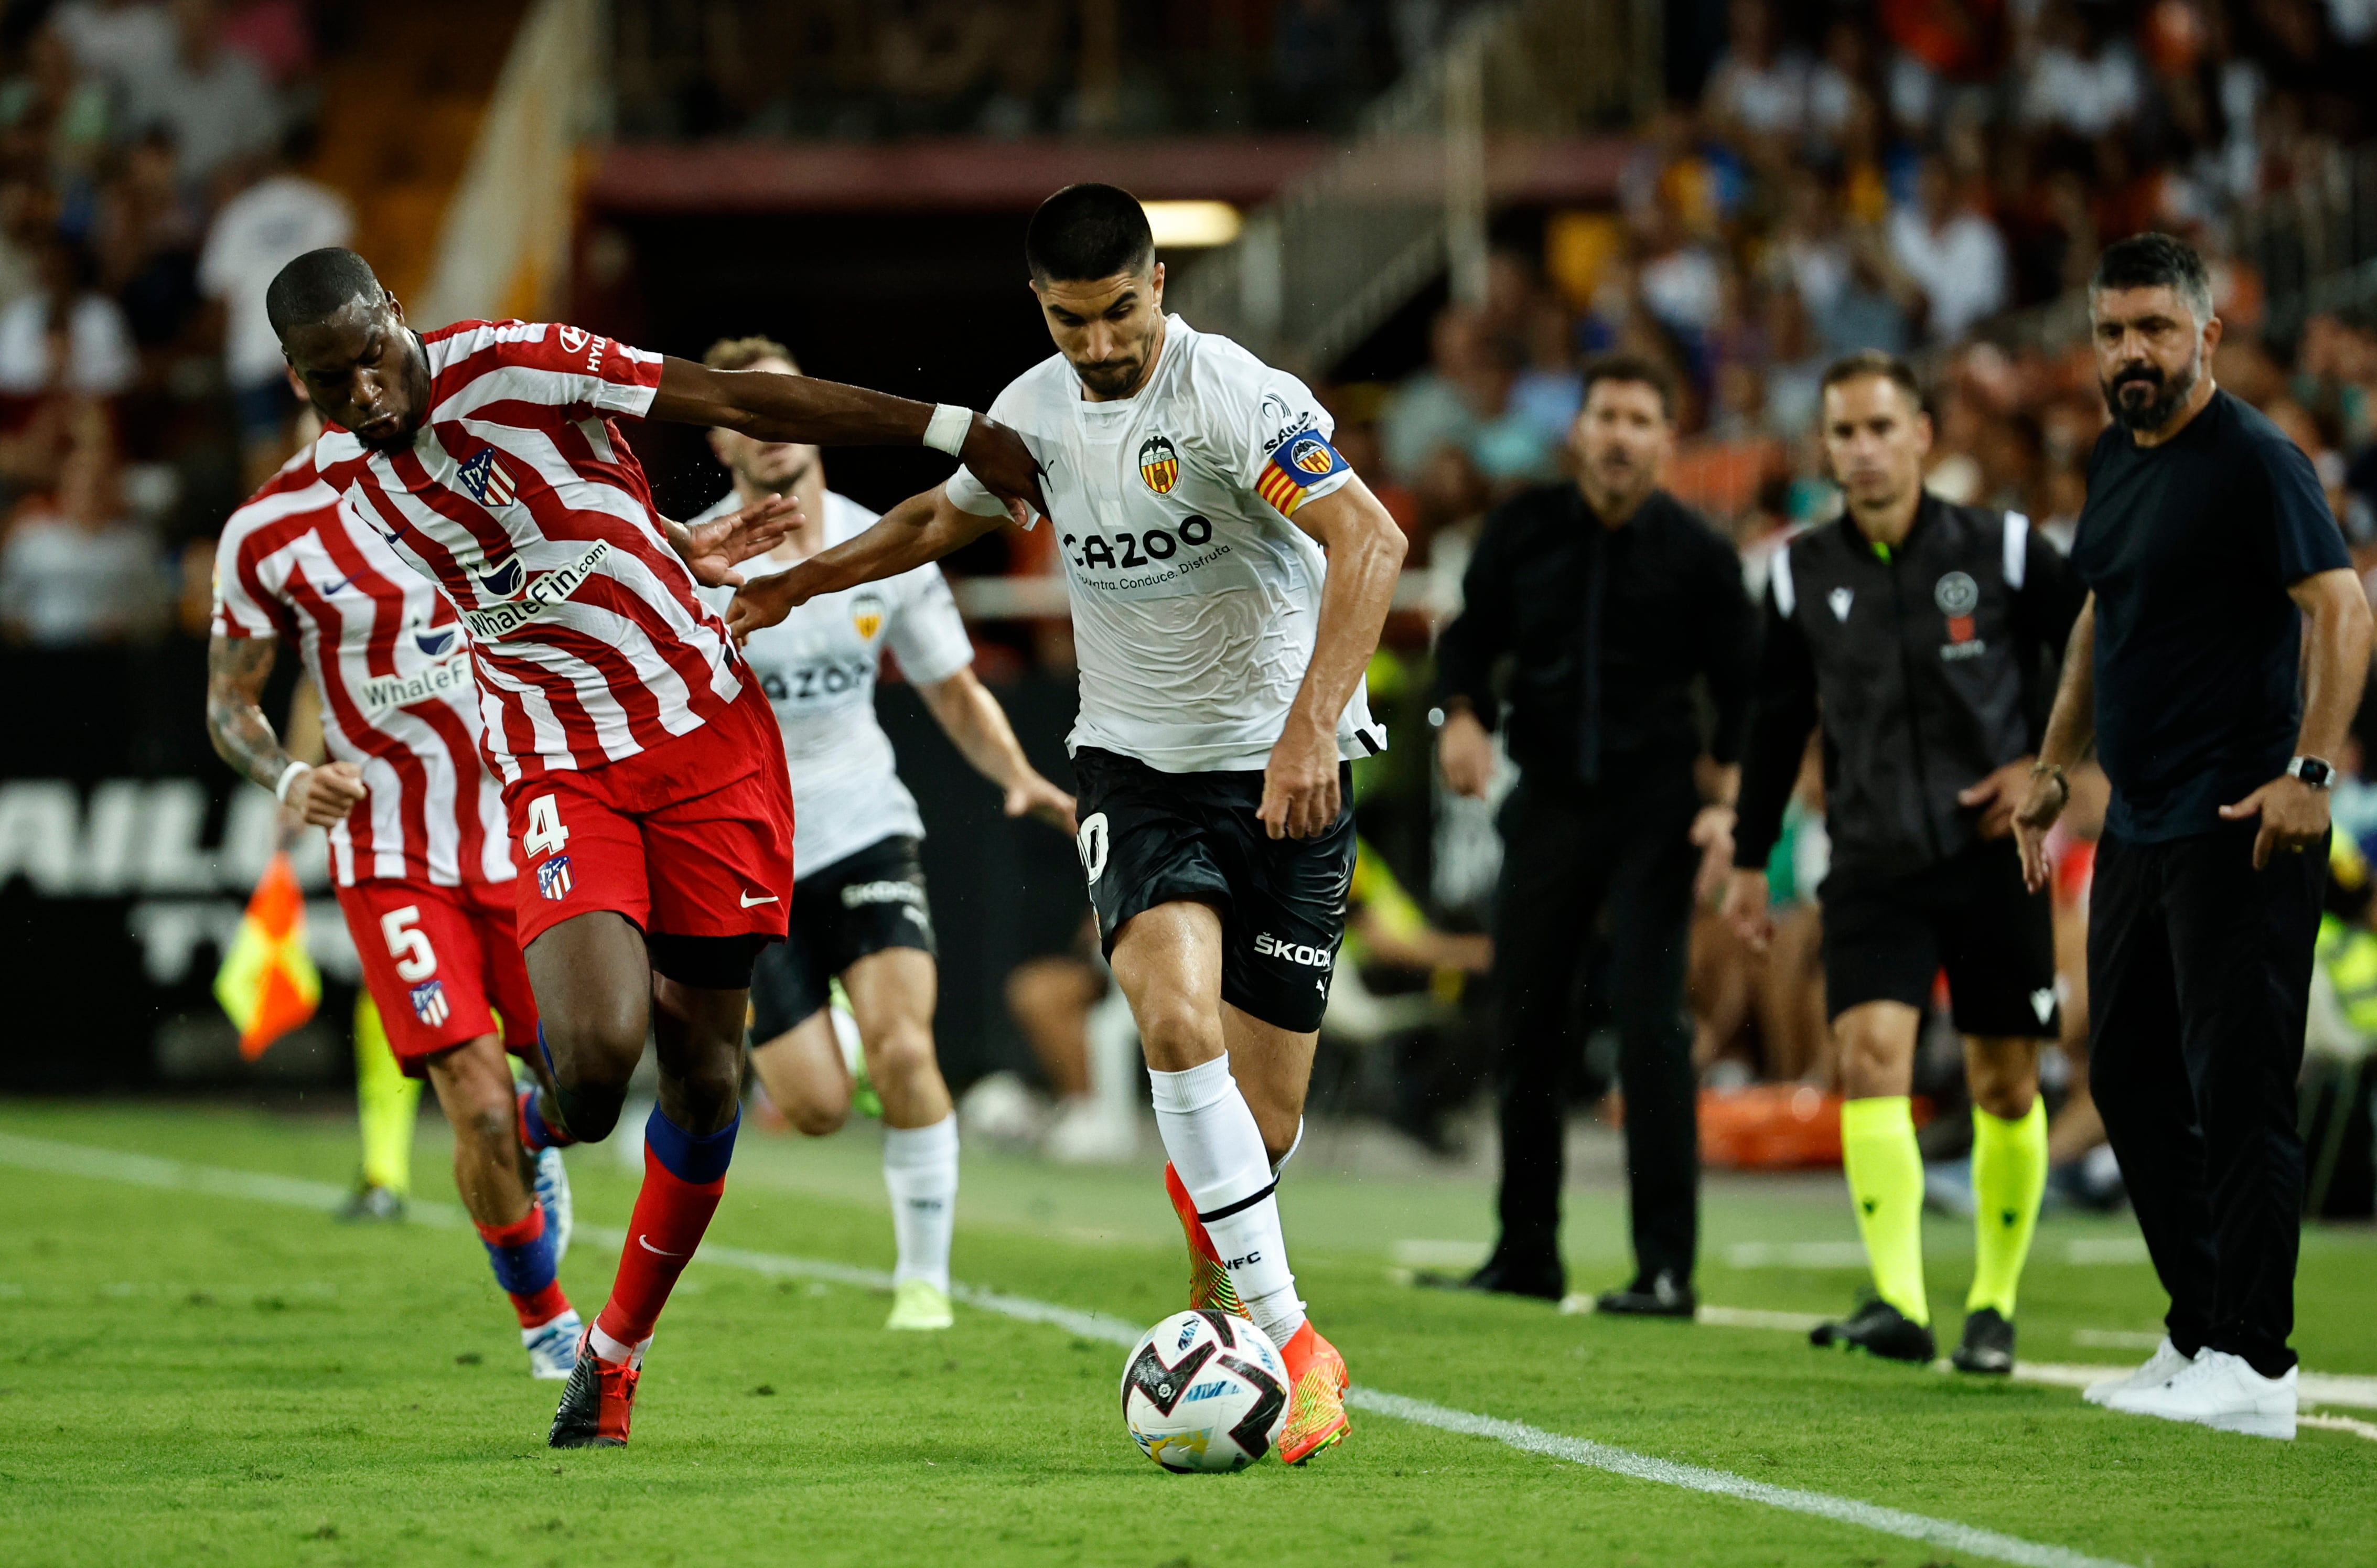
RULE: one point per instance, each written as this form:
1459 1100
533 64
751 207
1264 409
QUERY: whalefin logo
436 642
503 580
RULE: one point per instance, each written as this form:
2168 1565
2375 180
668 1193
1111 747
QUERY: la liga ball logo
1159 465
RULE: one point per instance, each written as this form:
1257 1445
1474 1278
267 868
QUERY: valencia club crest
1159 464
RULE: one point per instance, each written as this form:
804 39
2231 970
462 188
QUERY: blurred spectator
51 115
64 336
275 34
262 229
1757 90
74 570
1951 252
214 101
2080 81
120 41
147 237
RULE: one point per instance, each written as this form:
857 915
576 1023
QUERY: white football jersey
1195 600
817 666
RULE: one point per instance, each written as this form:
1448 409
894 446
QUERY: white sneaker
2220 1391
553 1347
553 1197
2165 1364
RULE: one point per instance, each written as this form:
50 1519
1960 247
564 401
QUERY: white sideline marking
2115 1338
143 1170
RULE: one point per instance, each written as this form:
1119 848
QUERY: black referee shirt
2190 547
1606 630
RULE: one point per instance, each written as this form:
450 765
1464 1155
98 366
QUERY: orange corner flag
267 984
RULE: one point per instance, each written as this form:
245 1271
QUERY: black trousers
1614 857
2199 971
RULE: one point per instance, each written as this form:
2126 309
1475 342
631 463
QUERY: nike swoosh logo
657 1251
330 588
749 901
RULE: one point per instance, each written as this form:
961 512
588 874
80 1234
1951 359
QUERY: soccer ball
1205 1391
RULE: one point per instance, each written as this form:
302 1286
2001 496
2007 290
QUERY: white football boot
553 1197
553 1347
2221 1390
2165 1364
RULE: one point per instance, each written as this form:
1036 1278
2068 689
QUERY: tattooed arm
238 669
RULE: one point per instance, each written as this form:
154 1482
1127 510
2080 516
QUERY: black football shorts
1149 838
1887 937
866 901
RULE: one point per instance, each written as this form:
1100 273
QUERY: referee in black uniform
2206 544
1608 599
1922 637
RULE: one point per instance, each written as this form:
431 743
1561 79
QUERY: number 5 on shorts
409 948
546 834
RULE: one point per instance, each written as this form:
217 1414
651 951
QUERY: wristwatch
2314 771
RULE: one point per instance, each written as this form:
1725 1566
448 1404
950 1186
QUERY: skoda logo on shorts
1957 594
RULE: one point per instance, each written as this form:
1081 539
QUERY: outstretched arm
1365 555
977 725
770 406
238 669
922 528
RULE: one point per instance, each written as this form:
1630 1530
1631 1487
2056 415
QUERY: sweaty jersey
518 498
388 658
817 666
1195 600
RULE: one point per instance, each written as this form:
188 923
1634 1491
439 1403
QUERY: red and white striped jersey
394 671
518 499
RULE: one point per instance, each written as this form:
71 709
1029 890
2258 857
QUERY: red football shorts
442 964
693 838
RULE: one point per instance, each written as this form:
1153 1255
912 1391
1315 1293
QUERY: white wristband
946 432
288 774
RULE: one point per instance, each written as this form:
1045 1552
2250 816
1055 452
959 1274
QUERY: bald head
316 286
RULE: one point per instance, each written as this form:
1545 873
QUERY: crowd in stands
1006 69
145 199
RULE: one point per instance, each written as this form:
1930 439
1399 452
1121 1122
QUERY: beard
1112 378
2161 396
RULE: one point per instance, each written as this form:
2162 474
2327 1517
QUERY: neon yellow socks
386 1101
1885 1173
2009 1179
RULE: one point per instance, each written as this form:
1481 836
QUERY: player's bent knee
813 1120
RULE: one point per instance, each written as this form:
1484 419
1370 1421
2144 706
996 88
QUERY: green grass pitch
191 1377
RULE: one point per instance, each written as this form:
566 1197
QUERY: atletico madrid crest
1159 464
484 478
553 878
429 1002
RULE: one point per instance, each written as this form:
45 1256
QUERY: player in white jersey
859 906
1229 575
418 850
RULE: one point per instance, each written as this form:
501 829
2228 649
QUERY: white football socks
920 1166
1218 1153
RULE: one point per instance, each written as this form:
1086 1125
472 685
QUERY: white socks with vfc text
1217 1152
920 1166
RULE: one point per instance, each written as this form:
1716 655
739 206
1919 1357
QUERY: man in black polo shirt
1608 598
2206 544
1921 636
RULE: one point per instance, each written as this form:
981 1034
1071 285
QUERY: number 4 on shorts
546 834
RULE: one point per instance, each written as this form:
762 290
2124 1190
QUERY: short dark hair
1088 232
1639 369
2154 260
1872 362
742 353
316 286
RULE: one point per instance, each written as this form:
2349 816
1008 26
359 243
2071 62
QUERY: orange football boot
1316 1396
1209 1282
596 1402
